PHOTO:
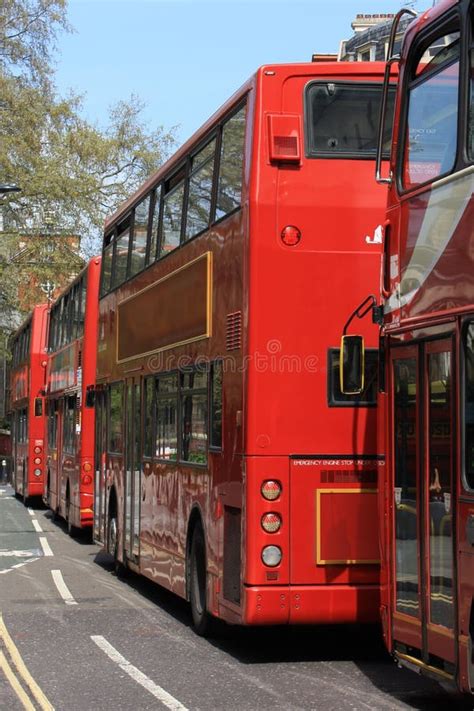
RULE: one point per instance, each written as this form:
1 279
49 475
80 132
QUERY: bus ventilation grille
286 146
234 331
79 359
352 476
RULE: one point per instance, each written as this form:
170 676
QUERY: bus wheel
120 569
203 622
54 512
72 530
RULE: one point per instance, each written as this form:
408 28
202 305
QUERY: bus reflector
285 138
271 522
290 235
271 556
271 490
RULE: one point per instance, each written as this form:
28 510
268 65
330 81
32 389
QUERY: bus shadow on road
83 537
308 646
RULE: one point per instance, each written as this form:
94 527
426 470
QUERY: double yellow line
13 666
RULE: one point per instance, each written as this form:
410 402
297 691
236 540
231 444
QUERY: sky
184 58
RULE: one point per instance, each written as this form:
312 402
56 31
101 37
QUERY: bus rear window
342 120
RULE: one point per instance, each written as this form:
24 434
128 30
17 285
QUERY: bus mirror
90 398
351 366
38 407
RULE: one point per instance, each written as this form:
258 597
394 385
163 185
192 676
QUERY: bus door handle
470 529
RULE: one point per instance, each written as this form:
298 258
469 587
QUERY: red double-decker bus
230 468
427 504
27 382
72 345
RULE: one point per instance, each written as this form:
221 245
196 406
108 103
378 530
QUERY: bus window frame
158 191
351 155
448 23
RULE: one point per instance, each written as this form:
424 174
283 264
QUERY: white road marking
45 546
62 587
138 676
36 526
15 554
18 565
31 512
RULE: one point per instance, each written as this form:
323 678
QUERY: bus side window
115 430
200 190
172 213
139 236
229 190
121 253
215 429
148 416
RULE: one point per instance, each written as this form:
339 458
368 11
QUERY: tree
72 173
28 30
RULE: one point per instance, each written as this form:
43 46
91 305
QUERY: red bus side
27 407
68 489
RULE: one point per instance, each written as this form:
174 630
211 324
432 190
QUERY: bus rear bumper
35 488
301 604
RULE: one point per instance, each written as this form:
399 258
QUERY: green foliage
28 30
72 173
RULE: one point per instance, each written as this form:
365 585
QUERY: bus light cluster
37 460
86 477
271 523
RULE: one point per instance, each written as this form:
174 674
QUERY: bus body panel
27 406
427 504
268 302
68 489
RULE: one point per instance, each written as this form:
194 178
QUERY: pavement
74 637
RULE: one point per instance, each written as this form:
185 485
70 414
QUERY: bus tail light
290 235
86 479
37 460
271 489
37 472
87 466
38 450
271 522
271 556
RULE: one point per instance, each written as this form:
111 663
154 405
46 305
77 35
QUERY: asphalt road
74 637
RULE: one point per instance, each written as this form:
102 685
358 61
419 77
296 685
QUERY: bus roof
333 69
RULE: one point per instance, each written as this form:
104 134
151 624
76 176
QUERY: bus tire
120 569
203 622
54 513
72 530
